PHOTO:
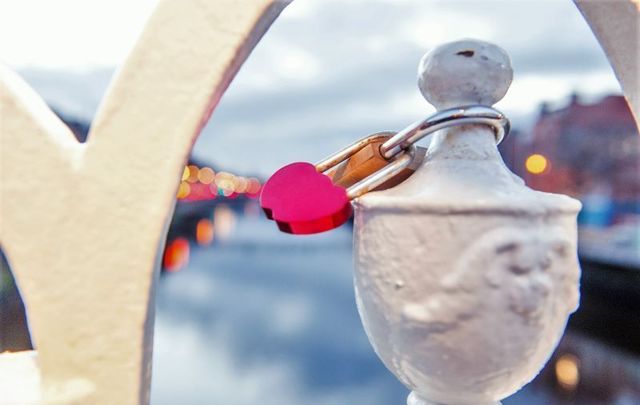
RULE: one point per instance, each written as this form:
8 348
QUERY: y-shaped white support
81 224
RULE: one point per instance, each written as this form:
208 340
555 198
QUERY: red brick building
589 148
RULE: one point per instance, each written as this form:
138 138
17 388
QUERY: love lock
304 198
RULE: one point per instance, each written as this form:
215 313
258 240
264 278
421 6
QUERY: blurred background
248 315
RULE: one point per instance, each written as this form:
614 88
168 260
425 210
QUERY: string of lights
203 183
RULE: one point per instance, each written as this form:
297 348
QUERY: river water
261 317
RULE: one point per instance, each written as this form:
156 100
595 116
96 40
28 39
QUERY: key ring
473 114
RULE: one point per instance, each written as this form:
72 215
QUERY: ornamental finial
464 72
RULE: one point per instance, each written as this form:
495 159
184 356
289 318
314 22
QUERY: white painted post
464 276
81 224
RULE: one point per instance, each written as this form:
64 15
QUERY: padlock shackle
472 114
399 148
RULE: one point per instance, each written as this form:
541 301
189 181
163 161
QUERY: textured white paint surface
81 224
452 84
464 276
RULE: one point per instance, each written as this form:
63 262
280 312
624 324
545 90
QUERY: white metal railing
91 313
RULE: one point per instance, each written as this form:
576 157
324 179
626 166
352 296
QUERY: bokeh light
204 183
224 221
204 232
183 190
206 175
176 255
567 371
240 185
536 163
225 182
193 173
254 186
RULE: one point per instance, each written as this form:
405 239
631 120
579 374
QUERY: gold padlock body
369 160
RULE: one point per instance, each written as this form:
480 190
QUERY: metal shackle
472 114
396 164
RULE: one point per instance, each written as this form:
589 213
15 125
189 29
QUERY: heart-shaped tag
303 201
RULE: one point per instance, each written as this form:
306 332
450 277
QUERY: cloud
76 94
331 71
365 57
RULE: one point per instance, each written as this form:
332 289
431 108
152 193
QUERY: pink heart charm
303 201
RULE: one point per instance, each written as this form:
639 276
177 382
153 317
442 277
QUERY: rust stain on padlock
368 160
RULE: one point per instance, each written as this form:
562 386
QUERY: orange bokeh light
206 175
176 255
193 173
219 184
568 371
240 185
183 190
204 232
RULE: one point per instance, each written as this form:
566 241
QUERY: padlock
369 159
303 199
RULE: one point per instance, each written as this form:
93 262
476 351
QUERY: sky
327 72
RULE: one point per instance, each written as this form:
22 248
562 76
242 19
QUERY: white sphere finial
465 72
